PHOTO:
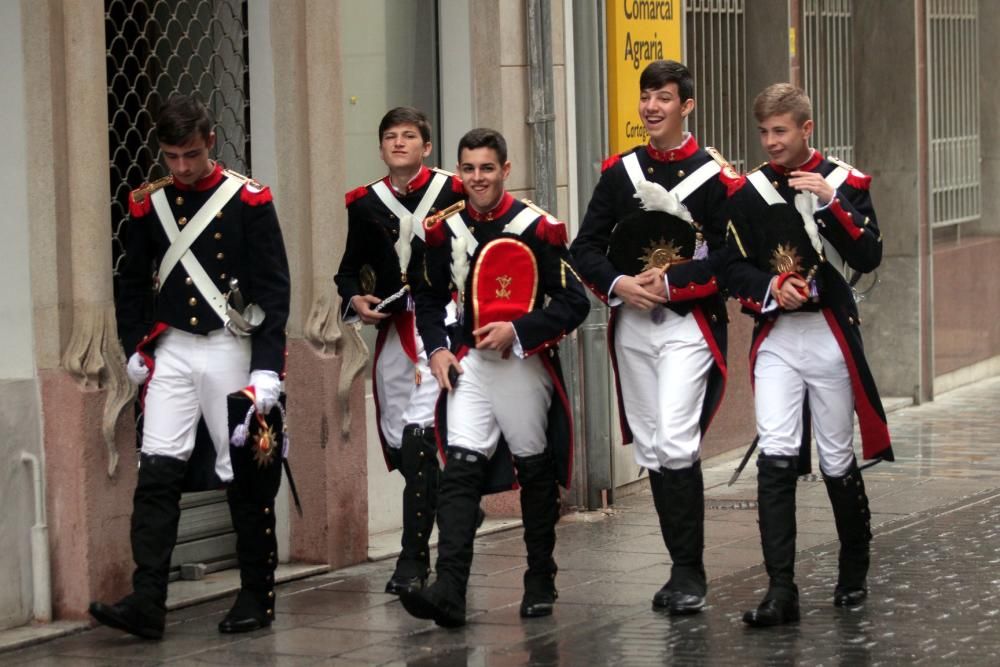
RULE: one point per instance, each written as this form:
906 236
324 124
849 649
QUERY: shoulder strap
758 180
391 202
521 221
631 162
460 230
181 242
695 180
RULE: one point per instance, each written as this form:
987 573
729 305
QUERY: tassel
403 248
239 436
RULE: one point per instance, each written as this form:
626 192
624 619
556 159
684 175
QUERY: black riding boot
853 519
776 480
679 497
539 514
155 514
251 503
457 517
418 464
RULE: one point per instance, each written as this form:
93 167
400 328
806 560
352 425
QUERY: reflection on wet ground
935 581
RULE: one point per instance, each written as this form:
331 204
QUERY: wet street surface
934 582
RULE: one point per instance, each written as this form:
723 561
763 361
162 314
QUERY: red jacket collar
417 182
500 209
808 165
206 183
687 148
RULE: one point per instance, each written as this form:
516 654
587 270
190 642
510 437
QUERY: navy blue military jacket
561 304
243 241
372 231
767 239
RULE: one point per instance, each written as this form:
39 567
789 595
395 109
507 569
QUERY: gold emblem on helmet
264 445
659 255
785 259
503 292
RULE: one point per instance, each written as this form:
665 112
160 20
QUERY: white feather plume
805 204
655 197
459 265
403 248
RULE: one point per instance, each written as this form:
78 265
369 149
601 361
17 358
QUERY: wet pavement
934 583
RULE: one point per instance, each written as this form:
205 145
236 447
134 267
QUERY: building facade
298 87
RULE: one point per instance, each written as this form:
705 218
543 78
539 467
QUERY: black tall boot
251 504
853 519
776 480
679 497
457 517
155 515
418 463
539 514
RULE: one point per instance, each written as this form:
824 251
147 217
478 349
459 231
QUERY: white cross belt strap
764 188
460 231
391 202
180 242
682 190
521 222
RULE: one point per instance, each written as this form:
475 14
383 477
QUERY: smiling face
483 177
403 148
189 162
785 141
663 113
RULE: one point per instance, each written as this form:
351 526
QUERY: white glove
137 370
266 386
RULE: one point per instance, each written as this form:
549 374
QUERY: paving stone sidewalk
935 581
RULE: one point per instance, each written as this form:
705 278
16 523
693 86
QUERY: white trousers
663 372
800 353
497 395
192 377
401 400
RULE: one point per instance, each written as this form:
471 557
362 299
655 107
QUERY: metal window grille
156 48
953 116
716 55
828 73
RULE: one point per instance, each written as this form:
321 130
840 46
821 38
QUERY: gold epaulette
246 180
758 167
537 209
727 169
139 194
840 163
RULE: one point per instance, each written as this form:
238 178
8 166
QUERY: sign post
639 32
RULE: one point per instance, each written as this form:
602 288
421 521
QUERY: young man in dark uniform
668 320
504 399
383 219
801 223
202 227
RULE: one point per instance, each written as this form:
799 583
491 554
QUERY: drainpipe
40 573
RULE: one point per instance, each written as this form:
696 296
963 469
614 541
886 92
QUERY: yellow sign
639 32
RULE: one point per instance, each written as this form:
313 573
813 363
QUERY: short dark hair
484 137
181 117
405 116
661 72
